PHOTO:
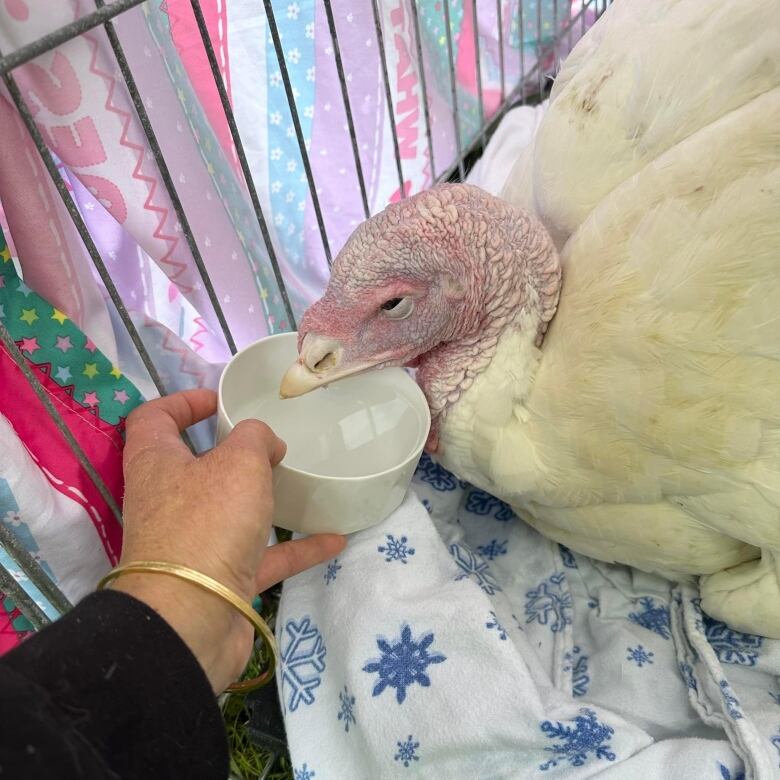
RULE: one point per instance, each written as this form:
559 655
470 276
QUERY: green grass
247 761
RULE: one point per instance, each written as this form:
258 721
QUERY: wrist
219 637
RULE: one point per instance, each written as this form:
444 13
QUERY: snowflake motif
654 617
276 79
302 662
403 663
309 30
294 55
13 518
407 751
276 153
396 549
493 549
291 166
775 740
725 773
303 773
577 664
474 568
276 186
587 736
289 197
332 571
308 112
347 711
686 670
732 647
639 655
733 706
310 73
775 697
433 474
568 557
493 623
275 118
279 220
480 503
293 10
549 604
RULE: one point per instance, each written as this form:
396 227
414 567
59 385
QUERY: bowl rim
416 451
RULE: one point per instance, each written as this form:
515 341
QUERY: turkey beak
321 361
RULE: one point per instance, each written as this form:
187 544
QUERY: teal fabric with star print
46 336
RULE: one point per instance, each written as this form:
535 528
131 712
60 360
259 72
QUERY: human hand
212 514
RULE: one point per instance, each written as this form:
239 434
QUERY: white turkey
620 391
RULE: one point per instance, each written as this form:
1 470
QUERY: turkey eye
397 308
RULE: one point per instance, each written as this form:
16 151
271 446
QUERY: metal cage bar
380 40
501 66
478 64
453 88
66 33
56 417
165 175
288 91
82 230
423 85
33 570
334 38
11 588
242 160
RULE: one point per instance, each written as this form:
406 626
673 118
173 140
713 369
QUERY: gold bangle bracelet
217 588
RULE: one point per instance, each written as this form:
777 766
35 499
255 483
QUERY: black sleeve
109 690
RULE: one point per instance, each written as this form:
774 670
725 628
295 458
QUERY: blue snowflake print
396 549
434 475
427 505
775 697
480 503
654 617
332 570
686 670
733 706
732 647
302 662
475 568
567 556
776 742
549 604
576 743
493 623
407 751
304 773
593 603
347 711
726 773
639 655
577 664
493 549
403 663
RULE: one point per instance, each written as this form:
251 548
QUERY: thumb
255 437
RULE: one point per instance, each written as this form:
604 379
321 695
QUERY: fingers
256 437
159 423
289 558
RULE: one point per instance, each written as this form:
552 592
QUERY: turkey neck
514 275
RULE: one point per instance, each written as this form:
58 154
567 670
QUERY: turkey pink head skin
432 282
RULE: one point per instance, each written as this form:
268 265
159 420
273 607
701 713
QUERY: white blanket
453 641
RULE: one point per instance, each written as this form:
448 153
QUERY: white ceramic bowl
351 447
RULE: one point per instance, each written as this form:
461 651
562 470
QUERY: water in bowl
351 429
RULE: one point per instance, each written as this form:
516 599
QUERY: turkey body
646 428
